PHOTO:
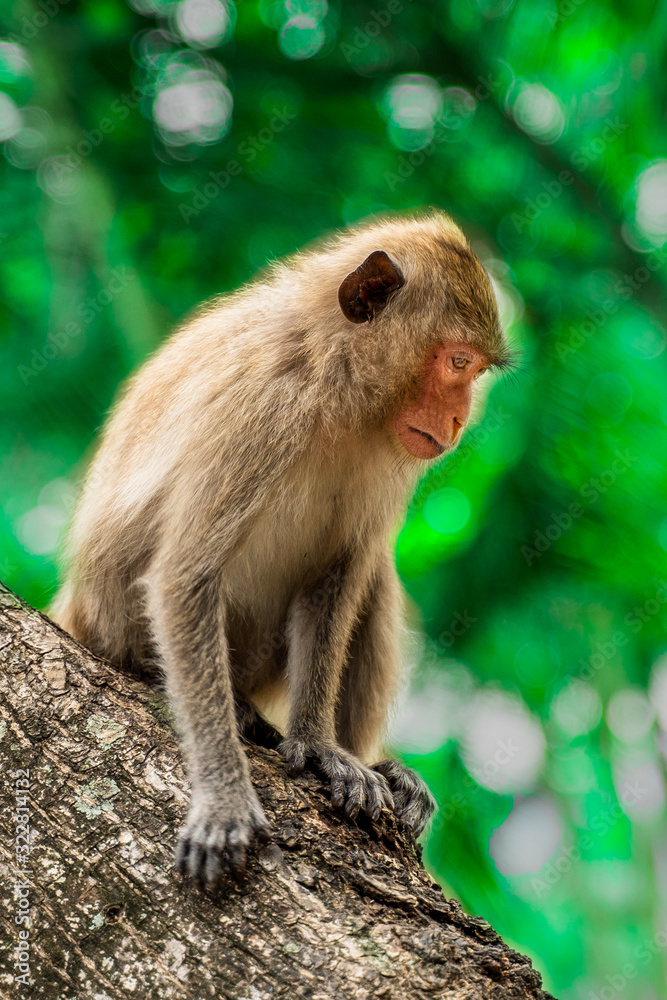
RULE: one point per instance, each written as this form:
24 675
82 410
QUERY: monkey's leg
225 814
320 628
369 688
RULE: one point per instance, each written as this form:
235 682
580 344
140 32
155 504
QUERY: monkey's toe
210 847
355 788
295 753
206 856
413 801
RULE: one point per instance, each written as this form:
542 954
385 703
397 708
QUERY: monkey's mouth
429 437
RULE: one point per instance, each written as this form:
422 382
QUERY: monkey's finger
238 858
375 799
262 832
356 797
211 870
414 819
385 792
212 861
415 808
338 791
423 814
182 851
237 843
195 858
401 802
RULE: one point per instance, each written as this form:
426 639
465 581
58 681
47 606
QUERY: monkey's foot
218 832
254 727
413 802
354 787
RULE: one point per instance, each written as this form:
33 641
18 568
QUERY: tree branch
331 909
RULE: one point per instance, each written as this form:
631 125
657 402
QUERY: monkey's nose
457 427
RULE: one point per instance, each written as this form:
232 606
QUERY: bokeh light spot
576 709
644 337
204 23
301 37
10 117
528 837
59 179
39 530
538 112
658 682
412 103
629 715
194 106
502 744
13 62
447 510
651 205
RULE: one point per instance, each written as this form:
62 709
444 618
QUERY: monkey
235 522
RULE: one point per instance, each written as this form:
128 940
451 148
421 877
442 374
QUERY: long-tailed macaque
235 522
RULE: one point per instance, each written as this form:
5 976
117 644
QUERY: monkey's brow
509 361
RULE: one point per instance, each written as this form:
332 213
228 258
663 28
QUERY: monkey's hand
220 827
413 802
354 787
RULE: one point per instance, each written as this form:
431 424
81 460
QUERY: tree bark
330 909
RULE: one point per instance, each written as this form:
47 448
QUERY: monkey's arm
369 689
188 619
321 624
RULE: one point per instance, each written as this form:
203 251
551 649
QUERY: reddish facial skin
432 423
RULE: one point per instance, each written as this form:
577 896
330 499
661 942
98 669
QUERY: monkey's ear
365 292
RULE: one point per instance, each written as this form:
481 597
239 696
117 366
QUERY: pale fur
248 468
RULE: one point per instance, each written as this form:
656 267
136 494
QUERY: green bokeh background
540 125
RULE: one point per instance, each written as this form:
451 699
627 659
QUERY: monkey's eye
460 363
480 372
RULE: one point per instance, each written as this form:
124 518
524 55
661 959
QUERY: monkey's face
446 288
431 424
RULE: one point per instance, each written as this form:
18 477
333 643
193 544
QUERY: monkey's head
424 305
